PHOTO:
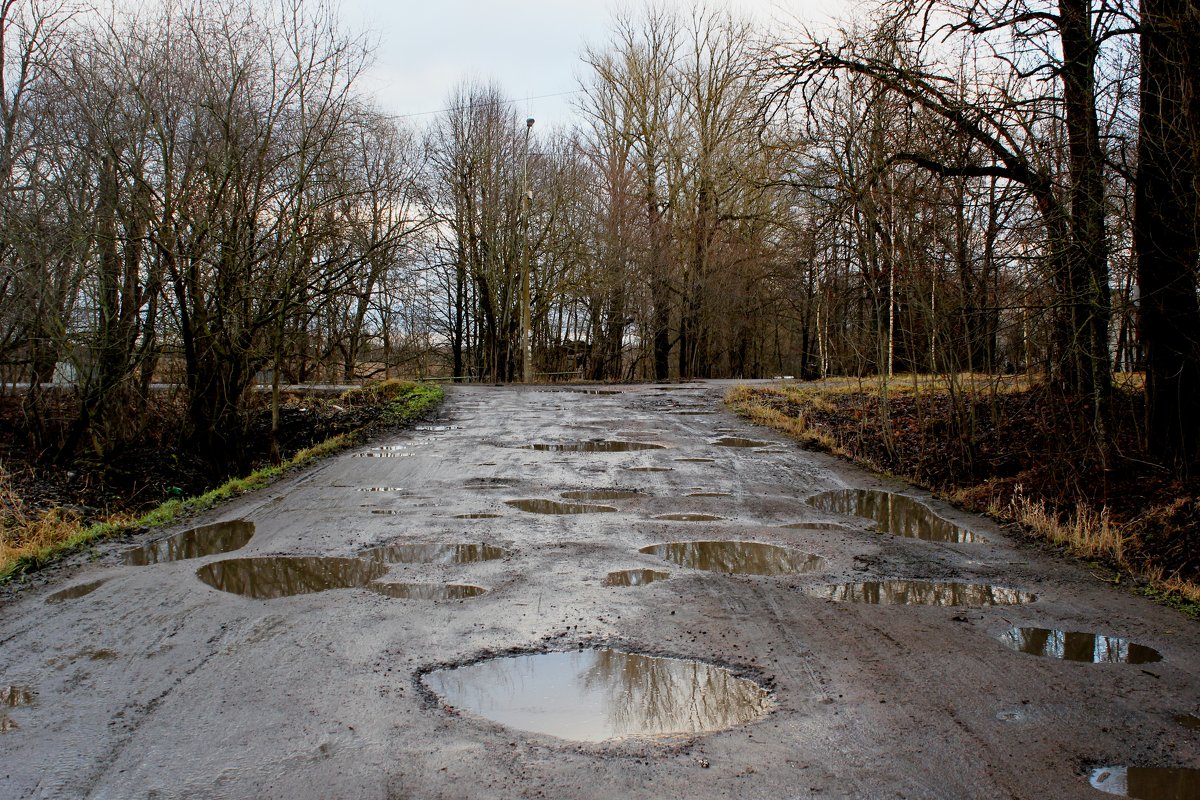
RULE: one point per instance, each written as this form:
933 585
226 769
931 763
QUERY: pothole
380 489
206 540
437 428
921 593
383 454
894 513
635 577
469 553
594 695
650 469
1189 721
75 592
478 515
688 517
1148 783
1075 646
814 526
696 460
539 506
708 494
737 441
488 483
598 446
428 591
600 494
745 558
269 577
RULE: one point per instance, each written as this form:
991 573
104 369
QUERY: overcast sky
530 47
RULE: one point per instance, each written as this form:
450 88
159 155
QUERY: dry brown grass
1086 533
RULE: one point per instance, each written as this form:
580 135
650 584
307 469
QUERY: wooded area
200 195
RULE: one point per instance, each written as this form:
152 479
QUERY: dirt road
158 684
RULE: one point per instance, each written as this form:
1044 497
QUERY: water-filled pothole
738 441
601 694
894 513
382 454
380 489
688 517
708 494
1074 646
598 446
207 540
75 592
600 494
635 577
488 483
814 526
650 469
269 577
696 460
1189 721
437 428
478 515
1148 783
539 506
745 558
428 591
468 553
921 593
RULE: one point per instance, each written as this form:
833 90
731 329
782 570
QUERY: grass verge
30 541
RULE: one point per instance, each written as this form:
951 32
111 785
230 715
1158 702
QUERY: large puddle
1148 783
537 506
921 593
207 540
75 592
1074 646
635 577
283 576
894 513
745 558
738 441
598 446
601 694
600 494
428 591
434 553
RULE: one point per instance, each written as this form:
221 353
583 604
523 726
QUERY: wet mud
428 591
601 494
635 577
434 553
594 447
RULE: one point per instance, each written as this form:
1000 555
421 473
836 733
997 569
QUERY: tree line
201 195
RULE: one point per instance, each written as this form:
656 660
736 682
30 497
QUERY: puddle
437 428
600 494
921 593
434 553
1148 783
488 483
708 494
382 454
537 506
598 446
75 592
428 591
635 577
380 489
601 694
207 540
744 558
13 696
387 512
481 515
697 460
815 526
650 469
737 441
895 513
688 517
1073 646
283 576
1189 721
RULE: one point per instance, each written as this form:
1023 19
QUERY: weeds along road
209 677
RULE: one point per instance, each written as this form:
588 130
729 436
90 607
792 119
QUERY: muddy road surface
589 594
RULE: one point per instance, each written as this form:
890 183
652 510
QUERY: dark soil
982 450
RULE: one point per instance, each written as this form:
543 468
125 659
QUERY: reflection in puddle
635 577
697 460
480 515
737 441
380 489
594 447
600 494
921 593
745 558
814 526
437 428
1189 721
650 469
13 696
382 454
594 695
538 506
434 553
1148 783
428 591
75 592
688 517
207 540
895 513
1072 646
284 576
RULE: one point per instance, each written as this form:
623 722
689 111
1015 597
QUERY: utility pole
527 203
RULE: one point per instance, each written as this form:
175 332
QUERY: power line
489 103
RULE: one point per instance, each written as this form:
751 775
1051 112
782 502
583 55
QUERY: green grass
54 536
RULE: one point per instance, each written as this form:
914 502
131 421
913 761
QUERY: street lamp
527 202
